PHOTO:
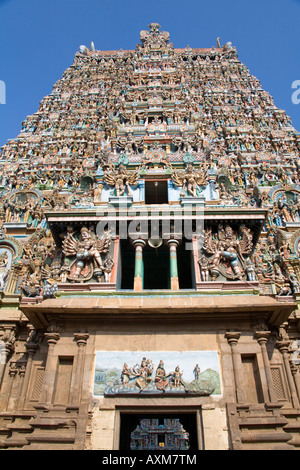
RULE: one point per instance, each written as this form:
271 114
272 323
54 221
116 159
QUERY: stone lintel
204 308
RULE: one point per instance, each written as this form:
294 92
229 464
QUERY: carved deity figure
228 250
176 376
126 373
121 179
143 373
190 180
85 251
4 259
4 268
161 379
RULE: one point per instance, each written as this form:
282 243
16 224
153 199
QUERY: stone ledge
138 307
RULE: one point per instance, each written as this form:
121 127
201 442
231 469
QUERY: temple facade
149 258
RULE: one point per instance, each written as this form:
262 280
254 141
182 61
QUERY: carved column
283 347
50 370
262 339
6 347
13 370
296 376
233 338
173 264
139 265
31 350
13 277
16 373
77 379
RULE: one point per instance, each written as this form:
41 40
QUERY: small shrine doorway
159 431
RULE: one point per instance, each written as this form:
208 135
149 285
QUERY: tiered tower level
130 140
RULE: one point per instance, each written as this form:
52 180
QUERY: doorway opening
156 267
159 431
185 267
156 192
127 259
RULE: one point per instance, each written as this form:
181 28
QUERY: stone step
55 437
19 427
52 446
264 446
277 436
16 442
292 427
271 421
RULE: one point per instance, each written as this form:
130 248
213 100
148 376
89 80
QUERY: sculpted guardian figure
85 252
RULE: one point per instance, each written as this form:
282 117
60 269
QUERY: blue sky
39 38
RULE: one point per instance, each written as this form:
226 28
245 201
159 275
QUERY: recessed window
156 192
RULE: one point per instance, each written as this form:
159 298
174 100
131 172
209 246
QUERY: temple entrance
156 268
162 431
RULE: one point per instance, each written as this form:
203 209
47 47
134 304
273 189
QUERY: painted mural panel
157 372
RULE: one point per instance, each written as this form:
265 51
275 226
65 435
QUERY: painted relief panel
6 257
134 372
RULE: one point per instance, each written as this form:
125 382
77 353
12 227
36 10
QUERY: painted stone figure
190 180
121 180
4 268
161 380
228 250
143 373
85 251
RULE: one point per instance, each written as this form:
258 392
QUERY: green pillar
139 265
173 264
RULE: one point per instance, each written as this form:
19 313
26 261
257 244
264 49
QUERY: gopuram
149 258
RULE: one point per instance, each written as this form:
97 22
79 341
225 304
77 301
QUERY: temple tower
149 258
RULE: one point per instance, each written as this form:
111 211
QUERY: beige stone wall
212 426
215 428
103 429
212 410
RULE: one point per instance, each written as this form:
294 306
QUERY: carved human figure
161 379
126 373
176 376
196 372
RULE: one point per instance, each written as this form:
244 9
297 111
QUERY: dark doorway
155 431
156 192
156 267
184 263
127 265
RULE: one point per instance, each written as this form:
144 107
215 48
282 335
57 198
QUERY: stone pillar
81 340
139 265
31 350
283 347
296 376
13 370
6 347
233 338
50 370
262 339
174 282
13 278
